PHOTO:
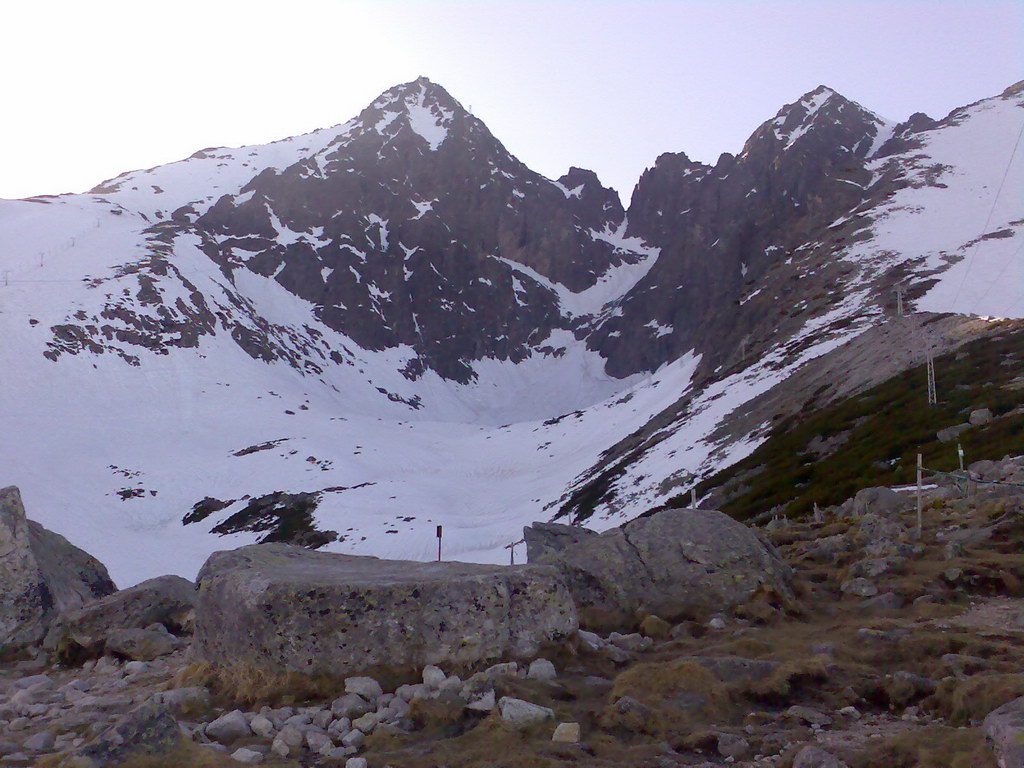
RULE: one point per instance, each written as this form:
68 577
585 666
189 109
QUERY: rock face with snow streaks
41 574
675 563
313 613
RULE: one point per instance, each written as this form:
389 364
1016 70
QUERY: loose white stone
433 676
521 714
247 756
366 687
541 669
566 733
263 727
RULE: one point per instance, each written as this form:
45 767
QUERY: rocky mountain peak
587 195
821 112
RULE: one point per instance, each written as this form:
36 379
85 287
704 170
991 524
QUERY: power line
988 220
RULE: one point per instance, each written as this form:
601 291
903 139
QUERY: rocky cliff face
413 226
722 228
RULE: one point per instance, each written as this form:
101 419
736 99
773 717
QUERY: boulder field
871 645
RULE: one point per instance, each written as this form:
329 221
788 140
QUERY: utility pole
933 398
920 501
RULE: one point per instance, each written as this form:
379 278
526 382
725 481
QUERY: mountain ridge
415 350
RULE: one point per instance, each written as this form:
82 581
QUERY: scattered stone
816 757
136 667
885 602
521 715
228 728
366 723
730 745
149 729
452 684
141 644
410 692
32 681
350 705
247 756
591 641
433 676
483 704
280 605
263 727
808 715
40 742
634 641
319 742
880 501
951 433
366 687
288 741
541 669
980 416
354 738
566 733
655 628
859 587
716 624
356 762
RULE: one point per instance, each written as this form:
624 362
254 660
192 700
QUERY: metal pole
439 543
920 501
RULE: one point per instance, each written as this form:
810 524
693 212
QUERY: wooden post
439 543
693 498
960 454
920 501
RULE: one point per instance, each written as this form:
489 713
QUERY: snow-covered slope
342 315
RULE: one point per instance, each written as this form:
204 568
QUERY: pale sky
92 89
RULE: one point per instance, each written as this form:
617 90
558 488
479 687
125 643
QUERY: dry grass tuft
931 747
246 684
968 701
674 696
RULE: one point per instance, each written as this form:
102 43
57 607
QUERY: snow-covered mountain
355 335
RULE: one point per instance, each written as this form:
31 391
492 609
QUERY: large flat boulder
82 632
317 613
675 563
41 574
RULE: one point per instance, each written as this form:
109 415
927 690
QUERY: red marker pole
439 543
